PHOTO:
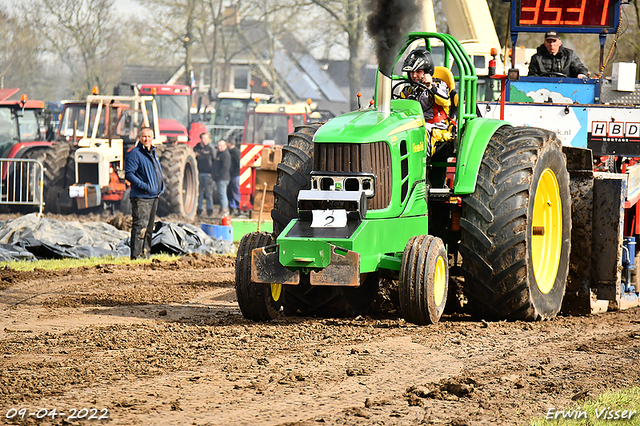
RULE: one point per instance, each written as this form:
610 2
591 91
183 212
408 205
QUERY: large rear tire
59 164
180 171
258 302
516 228
424 280
294 174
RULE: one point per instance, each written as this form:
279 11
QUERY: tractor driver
553 59
433 95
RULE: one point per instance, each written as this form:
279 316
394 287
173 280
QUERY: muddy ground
165 344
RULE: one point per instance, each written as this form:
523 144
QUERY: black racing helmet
418 59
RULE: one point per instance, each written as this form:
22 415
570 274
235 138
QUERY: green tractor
358 199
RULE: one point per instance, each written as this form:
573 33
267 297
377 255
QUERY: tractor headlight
353 203
340 181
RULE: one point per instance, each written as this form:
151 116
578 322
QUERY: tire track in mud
185 355
284 391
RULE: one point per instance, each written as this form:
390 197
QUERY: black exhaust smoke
388 22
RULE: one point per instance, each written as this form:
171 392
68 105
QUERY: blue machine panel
553 90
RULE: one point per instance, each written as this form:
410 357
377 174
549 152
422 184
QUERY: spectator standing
143 171
221 175
233 191
205 155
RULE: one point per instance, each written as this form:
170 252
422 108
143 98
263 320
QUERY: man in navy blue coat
143 171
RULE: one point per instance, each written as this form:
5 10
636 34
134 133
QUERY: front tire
258 302
516 228
424 280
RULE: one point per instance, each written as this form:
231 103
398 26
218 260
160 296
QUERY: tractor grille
351 157
88 173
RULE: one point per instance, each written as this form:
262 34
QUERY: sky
128 7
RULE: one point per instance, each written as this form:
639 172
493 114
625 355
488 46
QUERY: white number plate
329 219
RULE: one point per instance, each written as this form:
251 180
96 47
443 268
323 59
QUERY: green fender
473 143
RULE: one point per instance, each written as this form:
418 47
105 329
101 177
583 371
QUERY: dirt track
165 344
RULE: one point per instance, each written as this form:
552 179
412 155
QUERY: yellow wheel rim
276 291
439 281
546 231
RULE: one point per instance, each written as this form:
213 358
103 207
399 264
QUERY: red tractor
177 123
22 136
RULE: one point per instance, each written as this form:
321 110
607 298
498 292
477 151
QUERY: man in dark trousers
233 191
554 60
205 155
143 171
221 174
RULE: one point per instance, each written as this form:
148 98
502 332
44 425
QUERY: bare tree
219 39
324 37
629 41
209 35
177 26
82 34
19 56
279 21
255 32
350 15
196 28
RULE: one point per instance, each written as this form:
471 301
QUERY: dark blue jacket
143 171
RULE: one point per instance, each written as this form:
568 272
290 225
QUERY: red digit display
580 11
564 13
557 11
527 10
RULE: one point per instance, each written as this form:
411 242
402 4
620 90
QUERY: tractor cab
21 122
73 115
270 124
451 65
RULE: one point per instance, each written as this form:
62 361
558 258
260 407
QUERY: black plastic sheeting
31 238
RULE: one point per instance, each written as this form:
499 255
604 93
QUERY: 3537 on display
589 15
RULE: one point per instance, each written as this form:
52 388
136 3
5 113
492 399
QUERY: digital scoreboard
579 16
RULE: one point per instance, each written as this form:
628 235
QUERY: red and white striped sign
250 155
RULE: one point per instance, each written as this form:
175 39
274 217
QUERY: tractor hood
372 125
170 127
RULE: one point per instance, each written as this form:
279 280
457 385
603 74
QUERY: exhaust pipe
384 94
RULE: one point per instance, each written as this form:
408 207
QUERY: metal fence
22 183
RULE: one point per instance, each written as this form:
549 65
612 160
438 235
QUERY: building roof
141 74
303 75
339 72
301 72
7 93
